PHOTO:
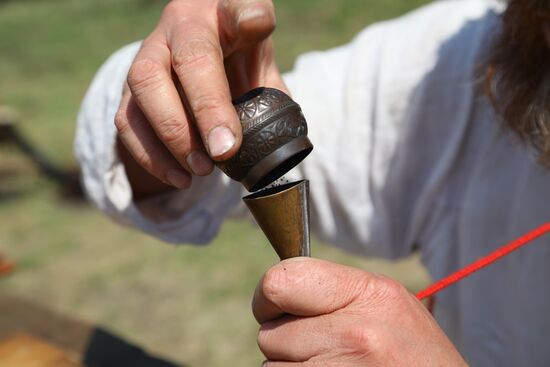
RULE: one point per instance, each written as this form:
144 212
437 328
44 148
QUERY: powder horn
274 141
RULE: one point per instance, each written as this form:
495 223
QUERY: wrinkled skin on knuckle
175 9
205 104
172 130
195 54
371 344
144 74
337 295
351 288
385 290
360 341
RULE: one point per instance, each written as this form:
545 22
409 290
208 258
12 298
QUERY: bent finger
156 95
197 59
145 148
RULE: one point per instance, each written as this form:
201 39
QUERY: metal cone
282 213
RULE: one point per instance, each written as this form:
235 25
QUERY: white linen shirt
408 155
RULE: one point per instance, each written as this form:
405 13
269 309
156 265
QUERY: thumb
244 23
307 287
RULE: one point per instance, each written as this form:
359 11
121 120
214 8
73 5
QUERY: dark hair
517 79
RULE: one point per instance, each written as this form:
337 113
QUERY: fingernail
178 178
264 363
250 13
220 141
200 163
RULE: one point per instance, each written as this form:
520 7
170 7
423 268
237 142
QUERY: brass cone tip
282 212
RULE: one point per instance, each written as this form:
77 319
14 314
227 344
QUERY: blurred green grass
191 304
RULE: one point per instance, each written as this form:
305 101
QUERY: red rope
484 261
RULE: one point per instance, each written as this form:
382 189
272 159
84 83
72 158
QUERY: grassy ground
190 304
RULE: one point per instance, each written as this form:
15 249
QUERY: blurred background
188 305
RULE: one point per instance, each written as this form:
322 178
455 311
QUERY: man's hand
315 313
176 114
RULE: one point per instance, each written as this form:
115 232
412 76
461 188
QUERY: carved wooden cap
274 138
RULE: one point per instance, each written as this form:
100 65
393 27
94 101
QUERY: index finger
197 59
306 287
